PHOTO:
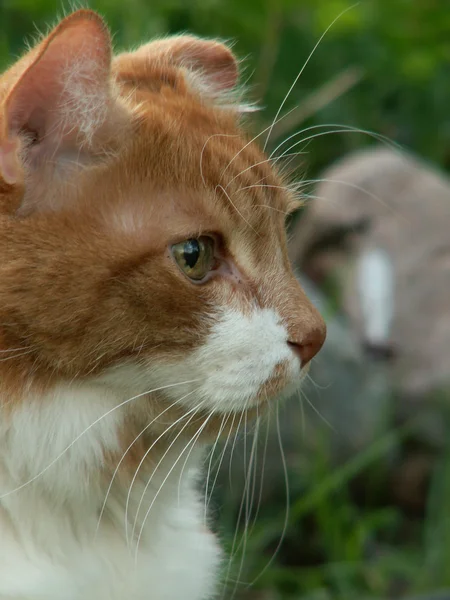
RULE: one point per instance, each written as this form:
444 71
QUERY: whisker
16 356
222 425
218 466
302 410
230 462
279 187
147 485
316 385
164 387
302 69
245 496
203 150
15 349
281 170
185 462
261 162
193 410
236 208
256 439
285 188
184 466
355 187
253 140
282 212
126 452
337 128
193 441
318 413
234 547
263 470
286 518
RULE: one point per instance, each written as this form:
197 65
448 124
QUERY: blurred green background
384 66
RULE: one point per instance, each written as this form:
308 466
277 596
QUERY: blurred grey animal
382 216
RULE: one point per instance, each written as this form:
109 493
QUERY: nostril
309 346
297 349
305 352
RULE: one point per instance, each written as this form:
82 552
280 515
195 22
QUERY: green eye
195 257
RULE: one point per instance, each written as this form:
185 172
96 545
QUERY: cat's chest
177 559
183 563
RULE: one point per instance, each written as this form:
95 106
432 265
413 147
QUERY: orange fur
106 163
86 277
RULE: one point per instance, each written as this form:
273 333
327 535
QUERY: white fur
227 372
84 102
49 545
50 548
376 289
239 356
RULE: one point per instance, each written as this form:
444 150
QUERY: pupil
191 253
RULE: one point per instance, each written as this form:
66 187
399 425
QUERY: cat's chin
221 419
221 425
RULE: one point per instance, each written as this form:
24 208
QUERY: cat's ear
207 67
61 98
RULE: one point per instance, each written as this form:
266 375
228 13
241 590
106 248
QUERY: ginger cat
146 303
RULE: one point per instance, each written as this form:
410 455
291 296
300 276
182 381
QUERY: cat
146 304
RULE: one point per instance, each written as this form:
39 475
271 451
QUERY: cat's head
142 235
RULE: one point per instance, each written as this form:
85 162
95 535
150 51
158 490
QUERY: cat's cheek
245 360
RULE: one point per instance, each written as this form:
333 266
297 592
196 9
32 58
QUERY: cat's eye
195 257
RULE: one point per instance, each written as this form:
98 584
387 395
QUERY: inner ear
62 97
34 129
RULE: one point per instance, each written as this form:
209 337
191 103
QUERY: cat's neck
64 464
70 524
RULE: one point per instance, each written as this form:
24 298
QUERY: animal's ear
207 67
59 100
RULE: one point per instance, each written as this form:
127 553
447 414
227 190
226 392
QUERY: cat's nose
310 345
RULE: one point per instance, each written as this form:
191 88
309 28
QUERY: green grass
346 537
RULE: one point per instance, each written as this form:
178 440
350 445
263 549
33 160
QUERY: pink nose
310 345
